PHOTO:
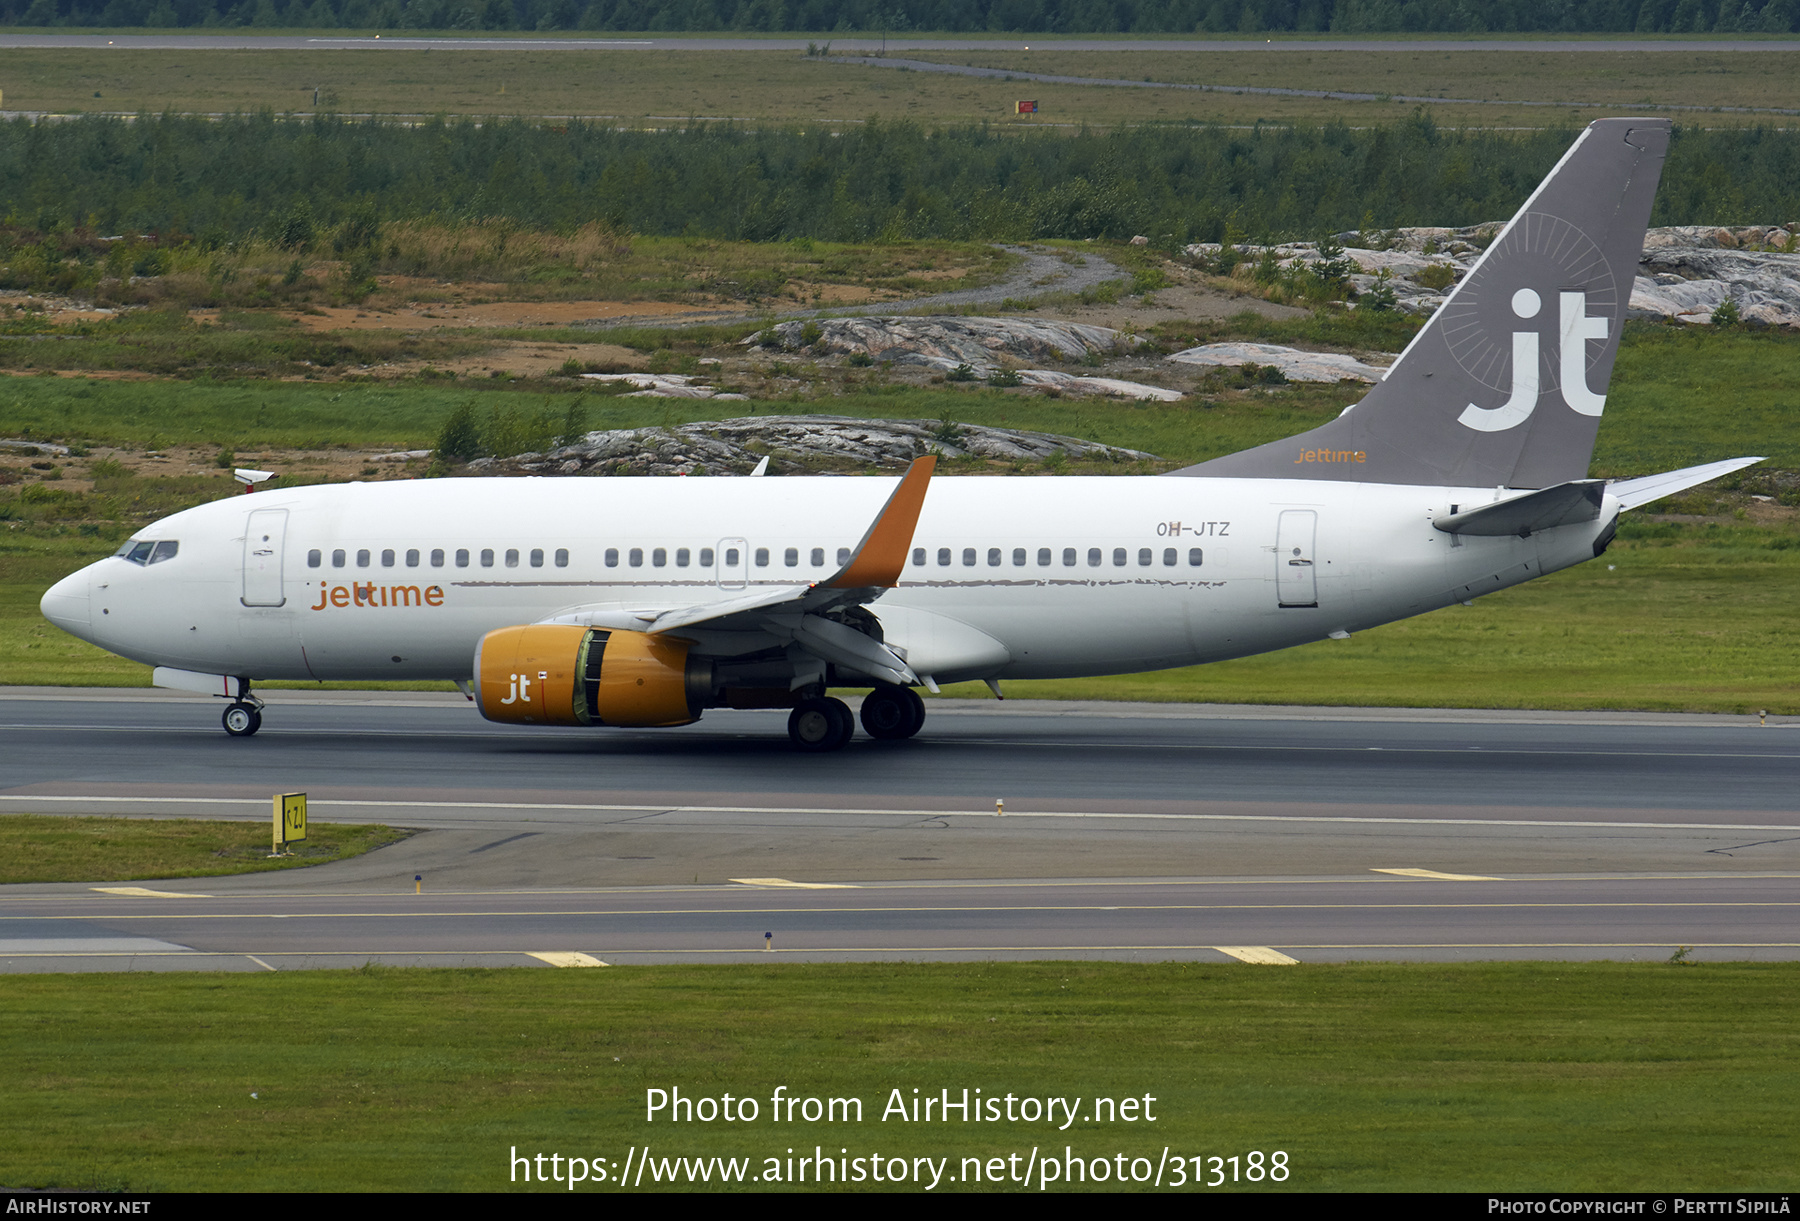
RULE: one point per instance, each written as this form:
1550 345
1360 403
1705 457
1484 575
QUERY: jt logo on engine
1576 329
520 691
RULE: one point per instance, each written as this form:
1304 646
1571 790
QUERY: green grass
1494 1077
47 848
784 86
168 343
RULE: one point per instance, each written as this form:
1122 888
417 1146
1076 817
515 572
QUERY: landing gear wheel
892 713
821 723
242 720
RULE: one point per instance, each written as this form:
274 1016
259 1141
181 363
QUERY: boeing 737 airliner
640 602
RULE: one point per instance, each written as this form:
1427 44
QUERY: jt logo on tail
1577 328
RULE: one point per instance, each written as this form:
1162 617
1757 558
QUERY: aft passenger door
264 539
1296 577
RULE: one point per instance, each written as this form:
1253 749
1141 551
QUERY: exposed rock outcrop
1295 365
797 444
662 386
1689 282
1687 271
943 343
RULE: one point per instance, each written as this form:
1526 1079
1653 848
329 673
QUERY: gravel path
1039 272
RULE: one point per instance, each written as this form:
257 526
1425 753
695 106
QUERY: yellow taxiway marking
564 958
783 882
1261 955
138 892
1442 877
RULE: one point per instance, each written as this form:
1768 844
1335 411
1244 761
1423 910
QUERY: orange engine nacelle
558 674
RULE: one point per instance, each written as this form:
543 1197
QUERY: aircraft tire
242 720
821 723
891 713
917 702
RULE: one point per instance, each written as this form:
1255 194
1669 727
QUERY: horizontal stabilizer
1566 504
1635 492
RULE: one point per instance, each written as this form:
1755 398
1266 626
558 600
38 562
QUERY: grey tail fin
1505 384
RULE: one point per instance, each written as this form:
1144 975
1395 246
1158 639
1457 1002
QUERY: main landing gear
893 713
821 723
243 716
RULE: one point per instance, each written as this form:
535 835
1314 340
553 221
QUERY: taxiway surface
1126 832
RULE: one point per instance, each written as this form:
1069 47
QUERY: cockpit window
148 552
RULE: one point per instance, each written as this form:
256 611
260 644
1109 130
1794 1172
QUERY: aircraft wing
794 612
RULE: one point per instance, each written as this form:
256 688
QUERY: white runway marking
138 892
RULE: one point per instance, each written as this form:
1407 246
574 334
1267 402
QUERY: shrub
460 438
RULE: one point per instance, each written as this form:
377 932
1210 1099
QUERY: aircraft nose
66 604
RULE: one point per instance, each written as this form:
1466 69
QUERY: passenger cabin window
1018 557
1143 557
1068 557
1118 557
1194 557
337 558
762 557
1093 557
362 558
843 556
918 555
791 557
706 557
412 557
437 557
612 557
818 556
943 557
462 557
387 558
1168 557
637 557
1043 557
731 557
315 558
487 557
660 557
993 557
512 557
537 557
968 557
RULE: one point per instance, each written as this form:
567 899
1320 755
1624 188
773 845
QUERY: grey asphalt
393 41
1127 831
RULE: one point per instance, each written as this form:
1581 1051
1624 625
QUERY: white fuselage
363 581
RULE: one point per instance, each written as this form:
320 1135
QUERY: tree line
292 181
901 16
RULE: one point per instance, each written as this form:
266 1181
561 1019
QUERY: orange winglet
879 558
